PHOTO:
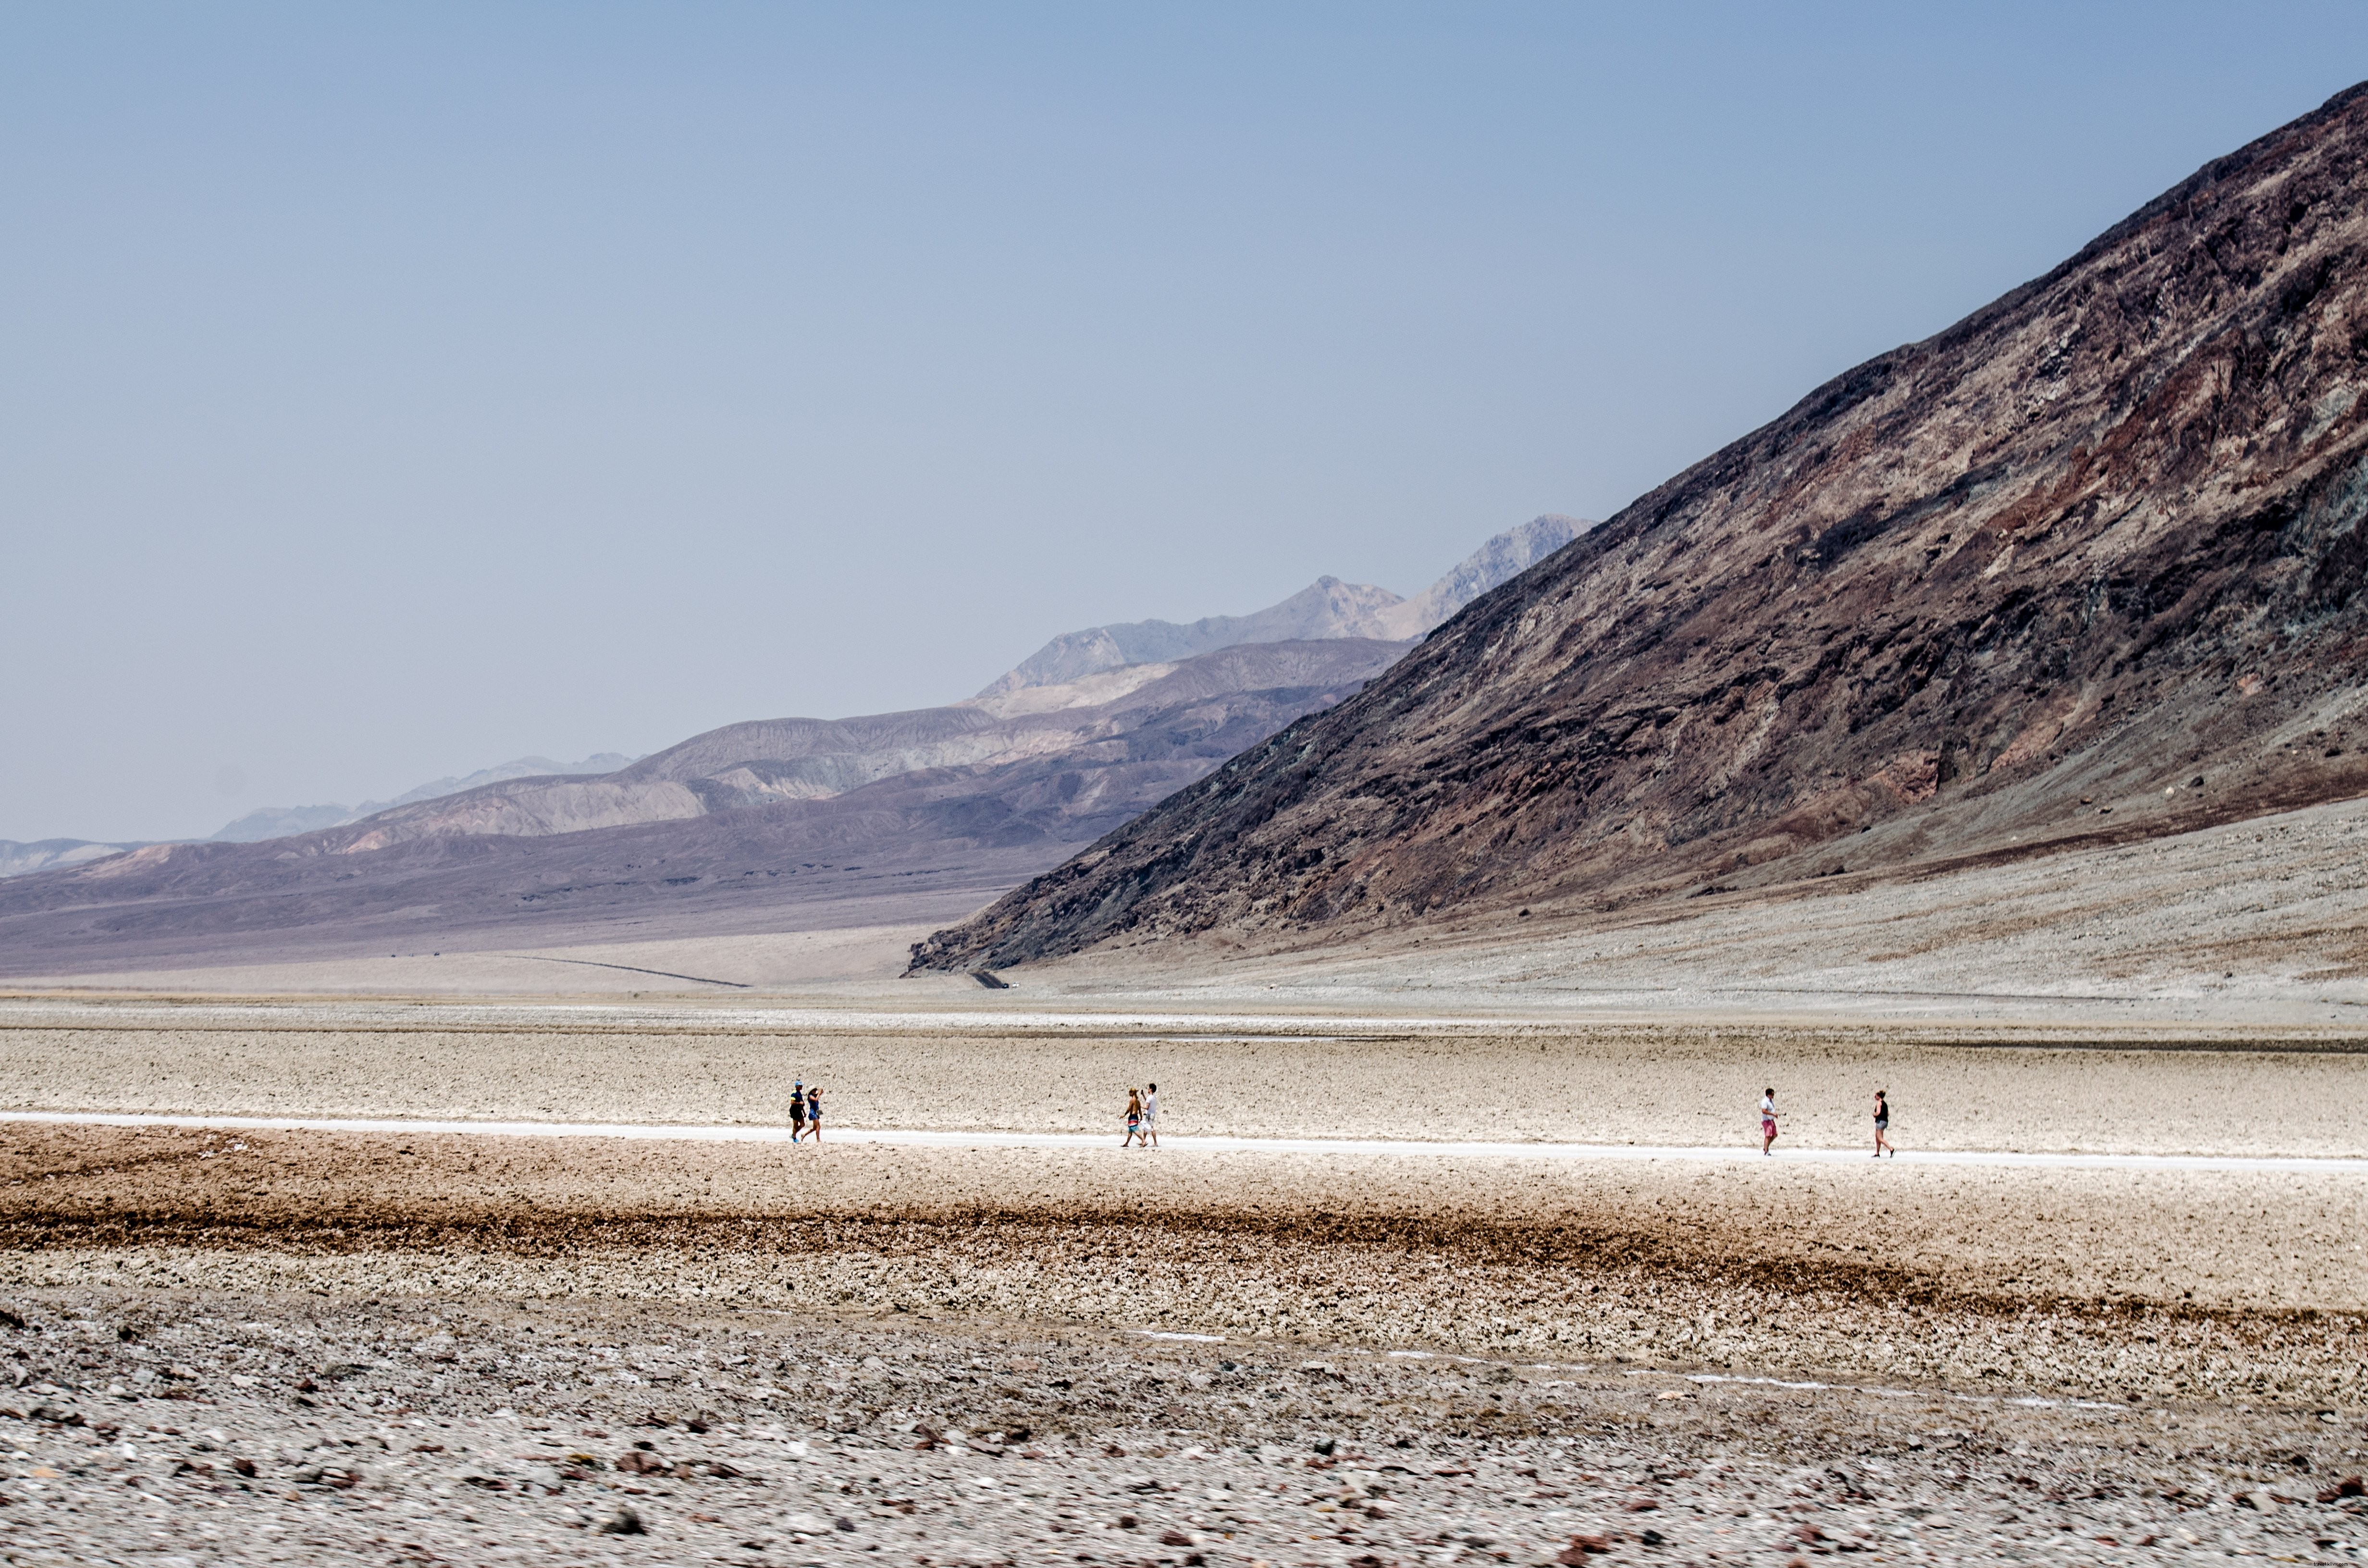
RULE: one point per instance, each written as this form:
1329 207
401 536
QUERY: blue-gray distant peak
1326 608
1498 562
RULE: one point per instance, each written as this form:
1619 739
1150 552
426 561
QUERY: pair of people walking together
806 1113
1142 1118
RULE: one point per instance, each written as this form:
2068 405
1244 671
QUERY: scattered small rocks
871 1440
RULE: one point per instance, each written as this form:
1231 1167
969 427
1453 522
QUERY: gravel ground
196 1426
2101 1284
2246 922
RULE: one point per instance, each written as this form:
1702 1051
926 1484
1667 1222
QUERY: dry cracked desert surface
247 1344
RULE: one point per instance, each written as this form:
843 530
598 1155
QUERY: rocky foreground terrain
174 1426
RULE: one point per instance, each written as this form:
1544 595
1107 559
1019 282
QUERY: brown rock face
2000 588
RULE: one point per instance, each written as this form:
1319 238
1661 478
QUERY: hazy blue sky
387 390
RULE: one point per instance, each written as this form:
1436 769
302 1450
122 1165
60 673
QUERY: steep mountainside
1326 608
2088 563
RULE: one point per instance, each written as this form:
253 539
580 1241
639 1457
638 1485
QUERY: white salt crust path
1186 1145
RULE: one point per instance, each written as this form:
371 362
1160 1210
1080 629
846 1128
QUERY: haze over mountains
279 822
769 823
2085 568
42 854
1326 607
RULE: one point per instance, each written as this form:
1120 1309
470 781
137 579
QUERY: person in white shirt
1767 1122
1151 1117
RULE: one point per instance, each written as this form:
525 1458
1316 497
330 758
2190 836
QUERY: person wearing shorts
1882 1126
814 1114
798 1111
1767 1122
1134 1118
1151 1117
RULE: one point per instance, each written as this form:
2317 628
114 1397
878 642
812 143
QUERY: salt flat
2135 1228
906 1137
1029 1068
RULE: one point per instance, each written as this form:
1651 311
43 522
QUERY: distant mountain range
754 827
280 822
1326 607
2087 568
43 853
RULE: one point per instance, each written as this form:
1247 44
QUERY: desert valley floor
1554 1305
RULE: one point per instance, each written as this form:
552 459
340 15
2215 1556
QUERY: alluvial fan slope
2088 563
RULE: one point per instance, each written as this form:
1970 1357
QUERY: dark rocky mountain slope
2088 563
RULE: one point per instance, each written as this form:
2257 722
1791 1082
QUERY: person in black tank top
1882 1126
